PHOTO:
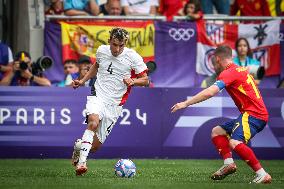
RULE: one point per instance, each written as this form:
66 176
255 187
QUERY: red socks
222 145
248 156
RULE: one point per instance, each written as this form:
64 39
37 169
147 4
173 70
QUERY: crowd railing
63 17
212 17
233 18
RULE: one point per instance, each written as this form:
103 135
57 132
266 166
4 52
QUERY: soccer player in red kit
235 134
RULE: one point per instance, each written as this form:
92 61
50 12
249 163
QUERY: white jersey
109 85
140 6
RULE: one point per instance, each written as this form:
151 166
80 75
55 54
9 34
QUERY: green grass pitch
151 173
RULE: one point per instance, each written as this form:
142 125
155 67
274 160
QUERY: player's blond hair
223 51
119 33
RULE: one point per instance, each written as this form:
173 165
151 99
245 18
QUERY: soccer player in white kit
114 64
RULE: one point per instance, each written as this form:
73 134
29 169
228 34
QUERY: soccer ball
125 168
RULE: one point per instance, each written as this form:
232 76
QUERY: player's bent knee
217 131
233 143
92 125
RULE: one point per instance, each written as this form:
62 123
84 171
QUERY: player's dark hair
223 51
249 53
70 61
119 33
84 59
196 4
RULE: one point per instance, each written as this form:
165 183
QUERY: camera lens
45 63
23 65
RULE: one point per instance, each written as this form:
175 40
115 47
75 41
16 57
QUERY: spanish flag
83 38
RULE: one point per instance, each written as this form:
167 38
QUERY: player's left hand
77 83
128 82
178 106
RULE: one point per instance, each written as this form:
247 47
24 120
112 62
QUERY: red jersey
242 88
250 8
170 8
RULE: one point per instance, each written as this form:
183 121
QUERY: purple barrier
39 122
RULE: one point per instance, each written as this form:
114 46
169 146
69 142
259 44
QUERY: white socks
261 172
228 161
87 141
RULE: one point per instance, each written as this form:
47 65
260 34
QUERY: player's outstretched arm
90 74
201 96
142 80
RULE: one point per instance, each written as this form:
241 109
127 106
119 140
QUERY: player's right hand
178 106
77 83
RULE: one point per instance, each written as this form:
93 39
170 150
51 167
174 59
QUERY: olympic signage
183 34
42 120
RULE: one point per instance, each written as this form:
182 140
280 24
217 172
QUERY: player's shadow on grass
202 143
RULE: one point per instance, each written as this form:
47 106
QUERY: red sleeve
227 77
265 8
200 13
141 73
234 8
161 8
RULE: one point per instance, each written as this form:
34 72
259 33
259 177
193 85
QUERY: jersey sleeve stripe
141 73
125 96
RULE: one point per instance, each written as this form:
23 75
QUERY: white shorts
108 115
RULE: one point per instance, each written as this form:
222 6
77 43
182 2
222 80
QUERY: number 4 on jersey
110 69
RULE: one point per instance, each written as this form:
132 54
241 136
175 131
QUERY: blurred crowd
169 8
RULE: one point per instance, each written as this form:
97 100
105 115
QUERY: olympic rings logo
181 34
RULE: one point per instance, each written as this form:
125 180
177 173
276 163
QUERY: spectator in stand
81 7
55 8
244 56
222 6
170 8
70 68
23 74
250 8
140 7
6 60
192 9
85 64
111 7
244 53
